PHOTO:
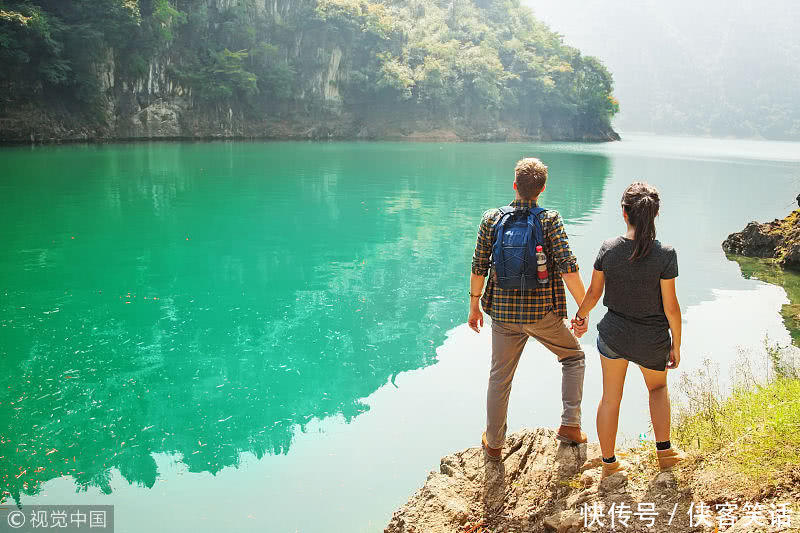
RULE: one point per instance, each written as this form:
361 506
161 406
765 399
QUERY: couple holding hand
642 325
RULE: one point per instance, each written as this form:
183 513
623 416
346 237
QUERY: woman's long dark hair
641 202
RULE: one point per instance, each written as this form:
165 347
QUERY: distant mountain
712 67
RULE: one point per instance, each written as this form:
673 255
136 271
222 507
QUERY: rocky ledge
543 485
779 240
176 118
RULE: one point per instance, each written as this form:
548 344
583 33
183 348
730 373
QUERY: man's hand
475 320
579 327
674 357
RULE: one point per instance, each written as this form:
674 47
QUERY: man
537 312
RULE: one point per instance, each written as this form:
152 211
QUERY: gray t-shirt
635 326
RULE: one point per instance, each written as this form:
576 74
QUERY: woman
638 274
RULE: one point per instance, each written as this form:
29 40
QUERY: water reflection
209 299
766 270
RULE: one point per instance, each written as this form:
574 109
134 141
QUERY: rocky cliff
297 69
543 485
779 240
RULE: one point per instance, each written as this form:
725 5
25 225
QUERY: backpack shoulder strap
504 210
536 226
497 246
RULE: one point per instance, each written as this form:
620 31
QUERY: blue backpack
517 233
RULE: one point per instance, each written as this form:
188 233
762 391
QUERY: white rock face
159 119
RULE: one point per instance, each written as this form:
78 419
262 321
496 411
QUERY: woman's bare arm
673 311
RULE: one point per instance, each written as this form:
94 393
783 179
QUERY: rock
553 521
576 500
779 239
570 520
161 119
613 482
521 490
539 487
588 479
665 481
753 241
791 258
563 522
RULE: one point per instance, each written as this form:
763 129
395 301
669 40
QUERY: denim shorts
605 351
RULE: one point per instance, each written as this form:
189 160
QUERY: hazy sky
729 67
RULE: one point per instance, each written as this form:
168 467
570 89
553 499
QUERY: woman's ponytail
641 202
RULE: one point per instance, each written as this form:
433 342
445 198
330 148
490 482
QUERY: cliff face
157 104
306 69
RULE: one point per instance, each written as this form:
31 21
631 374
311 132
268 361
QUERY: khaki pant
508 340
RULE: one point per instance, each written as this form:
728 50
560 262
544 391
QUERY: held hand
579 327
475 320
674 358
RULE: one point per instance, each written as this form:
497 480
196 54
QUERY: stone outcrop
520 492
779 240
543 486
159 119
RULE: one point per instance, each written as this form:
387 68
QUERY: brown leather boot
609 469
492 454
669 457
571 435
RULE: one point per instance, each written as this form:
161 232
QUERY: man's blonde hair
531 176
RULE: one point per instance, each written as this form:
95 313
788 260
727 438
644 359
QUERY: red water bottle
541 266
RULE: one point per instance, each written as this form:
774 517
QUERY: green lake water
270 336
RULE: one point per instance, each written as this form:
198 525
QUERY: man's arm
580 324
475 319
575 286
565 260
480 268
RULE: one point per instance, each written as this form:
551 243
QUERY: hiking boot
492 454
571 435
669 458
609 469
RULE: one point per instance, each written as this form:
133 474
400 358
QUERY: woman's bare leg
614 371
659 402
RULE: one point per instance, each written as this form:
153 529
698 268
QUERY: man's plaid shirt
526 305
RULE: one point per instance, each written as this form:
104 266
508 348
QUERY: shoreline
449 139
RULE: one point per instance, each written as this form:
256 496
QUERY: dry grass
746 443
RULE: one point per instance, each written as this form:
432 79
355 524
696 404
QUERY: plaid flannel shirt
525 305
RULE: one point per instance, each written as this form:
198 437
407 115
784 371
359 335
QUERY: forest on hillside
115 66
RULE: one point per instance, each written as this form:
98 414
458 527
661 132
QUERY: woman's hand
673 311
579 326
674 357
